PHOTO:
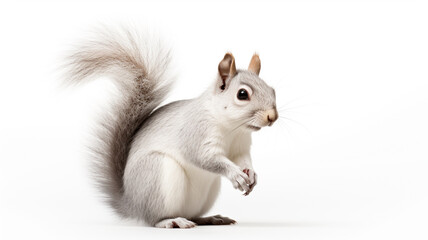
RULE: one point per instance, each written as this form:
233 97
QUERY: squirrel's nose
271 116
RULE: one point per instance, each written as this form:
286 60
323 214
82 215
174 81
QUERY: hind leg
174 187
155 191
214 220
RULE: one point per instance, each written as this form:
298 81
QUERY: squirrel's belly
188 190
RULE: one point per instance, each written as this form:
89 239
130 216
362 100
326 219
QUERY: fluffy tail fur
138 65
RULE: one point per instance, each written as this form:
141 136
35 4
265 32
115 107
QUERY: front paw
240 180
253 179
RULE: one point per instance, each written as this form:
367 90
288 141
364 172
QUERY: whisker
241 119
293 107
291 101
240 125
284 126
292 120
287 111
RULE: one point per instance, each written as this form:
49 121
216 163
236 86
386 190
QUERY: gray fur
141 76
149 207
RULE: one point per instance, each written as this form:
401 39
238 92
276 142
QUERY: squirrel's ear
255 64
226 69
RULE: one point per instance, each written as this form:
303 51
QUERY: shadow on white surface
251 224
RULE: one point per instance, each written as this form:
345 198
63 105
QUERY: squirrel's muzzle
270 116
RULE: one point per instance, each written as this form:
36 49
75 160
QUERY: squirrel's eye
242 94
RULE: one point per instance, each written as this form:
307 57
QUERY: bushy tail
139 66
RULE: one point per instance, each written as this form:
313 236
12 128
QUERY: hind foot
175 223
214 220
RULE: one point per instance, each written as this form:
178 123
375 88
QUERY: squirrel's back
139 66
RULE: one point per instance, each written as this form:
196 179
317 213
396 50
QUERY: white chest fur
237 145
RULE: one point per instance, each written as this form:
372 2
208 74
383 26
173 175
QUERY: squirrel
162 164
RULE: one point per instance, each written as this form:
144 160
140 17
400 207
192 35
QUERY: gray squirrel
162 164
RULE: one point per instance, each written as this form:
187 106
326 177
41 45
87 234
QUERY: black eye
242 94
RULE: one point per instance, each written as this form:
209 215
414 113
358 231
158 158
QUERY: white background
347 160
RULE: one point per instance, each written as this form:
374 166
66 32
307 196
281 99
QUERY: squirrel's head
244 100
